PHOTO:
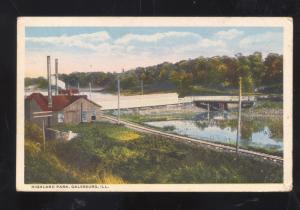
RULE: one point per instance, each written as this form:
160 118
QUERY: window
84 116
93 116
60 117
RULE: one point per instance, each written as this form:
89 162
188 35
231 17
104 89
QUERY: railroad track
198 141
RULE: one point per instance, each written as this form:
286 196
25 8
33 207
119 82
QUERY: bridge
218 102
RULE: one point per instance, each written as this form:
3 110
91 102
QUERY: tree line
186 76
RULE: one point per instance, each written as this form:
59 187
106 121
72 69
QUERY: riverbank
159 113
265 109
110 153
261 130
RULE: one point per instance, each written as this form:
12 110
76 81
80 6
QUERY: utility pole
239 116
81 120
49 82
142 87
208 110
118 82
43 115
44 136
90 91
56 76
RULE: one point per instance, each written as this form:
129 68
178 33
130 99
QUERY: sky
111 49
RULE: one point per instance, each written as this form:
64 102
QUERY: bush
99 157
33 132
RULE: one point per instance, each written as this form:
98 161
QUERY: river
259 133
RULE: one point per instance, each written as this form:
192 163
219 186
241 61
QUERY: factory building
61 108
65 108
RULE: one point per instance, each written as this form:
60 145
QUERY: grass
47 167
266 109
197 89
124 135
268 104
99 156
141 118
250 124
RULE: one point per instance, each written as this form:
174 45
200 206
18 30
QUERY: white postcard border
285 22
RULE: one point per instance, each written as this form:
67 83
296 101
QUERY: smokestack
56 76
49 82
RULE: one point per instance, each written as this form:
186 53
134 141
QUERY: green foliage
268 104
96 157
43 167
140 118
197 89
219 73
39 82
84 78
33 132
154 159
274 68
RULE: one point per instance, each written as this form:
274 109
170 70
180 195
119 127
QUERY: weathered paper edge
285 22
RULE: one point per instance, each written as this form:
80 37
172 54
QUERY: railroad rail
198 141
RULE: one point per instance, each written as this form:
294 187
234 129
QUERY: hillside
113 154
203 75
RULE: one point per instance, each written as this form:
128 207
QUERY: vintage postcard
154 104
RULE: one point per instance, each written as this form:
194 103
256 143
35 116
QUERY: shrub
33 132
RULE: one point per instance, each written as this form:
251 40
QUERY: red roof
59 102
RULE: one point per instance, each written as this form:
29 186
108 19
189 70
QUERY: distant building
65 108
70 91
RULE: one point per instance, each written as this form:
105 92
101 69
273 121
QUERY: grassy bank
252 122
266 109
108 153
156 117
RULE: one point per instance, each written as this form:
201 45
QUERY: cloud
154 37
265 42
135 44
211 43
229 34
202 44
265 39
85 41
107 53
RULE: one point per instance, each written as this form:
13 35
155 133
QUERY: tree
274 68
244 71
257 67
216 72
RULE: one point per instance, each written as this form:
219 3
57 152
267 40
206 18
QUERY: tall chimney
56 76
49 82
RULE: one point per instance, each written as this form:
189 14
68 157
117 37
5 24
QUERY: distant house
65 108
70 91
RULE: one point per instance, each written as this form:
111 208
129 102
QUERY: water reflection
264 133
